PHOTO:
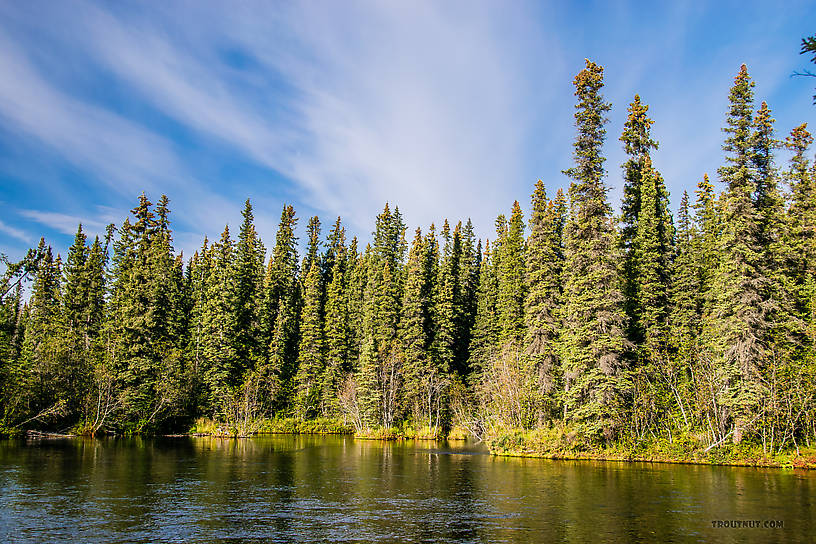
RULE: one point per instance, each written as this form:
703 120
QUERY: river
337 489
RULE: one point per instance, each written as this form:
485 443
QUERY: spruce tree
735 328
380 366
94 311
75 282
638 171
281 308
542 307
511 288
336 325
75 306
685 296
313 245
446 297
708 226
131 304
355 278
468 285
250 254
650 253
198 272
801 222
168 319
310 353
221 370
42 373
655 372
416 324
685 291
12 330
484 338
593 340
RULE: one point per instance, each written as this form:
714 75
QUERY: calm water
337 489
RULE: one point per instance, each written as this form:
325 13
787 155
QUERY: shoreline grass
561 444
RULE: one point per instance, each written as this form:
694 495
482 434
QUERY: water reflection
309 488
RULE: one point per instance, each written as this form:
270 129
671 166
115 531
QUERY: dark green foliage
542 307
647 248
249 291
485 331
445 307
220 369
310 353
143 329
685 292
336 328
38 396
735 326
421 366
281 307
469 263
801 234
380 371
511 287
593 340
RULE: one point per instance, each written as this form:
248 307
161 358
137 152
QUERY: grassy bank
561 443
209 427
289 425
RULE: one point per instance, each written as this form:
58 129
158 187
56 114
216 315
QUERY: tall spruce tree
310 352
542 307
248 270
198 276
685 303
40 375
801 237
380 364
468 285
484 337
336 326
446 296
416 326
637 172
221 369
135 319
281 308
511 288
593 340
75 306
12 331
736 326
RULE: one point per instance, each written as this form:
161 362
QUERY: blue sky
448 109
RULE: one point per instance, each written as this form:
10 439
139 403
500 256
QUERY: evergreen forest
584 326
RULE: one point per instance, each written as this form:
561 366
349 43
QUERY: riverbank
558 444
323 426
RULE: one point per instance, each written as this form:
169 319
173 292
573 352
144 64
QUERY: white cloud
423 106
67 224
121 154
15 232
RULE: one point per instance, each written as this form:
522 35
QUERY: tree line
616 327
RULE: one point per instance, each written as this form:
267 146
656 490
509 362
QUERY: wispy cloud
67 224
118 152
424 105
15 232
421 106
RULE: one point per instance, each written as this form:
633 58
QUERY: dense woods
699 327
